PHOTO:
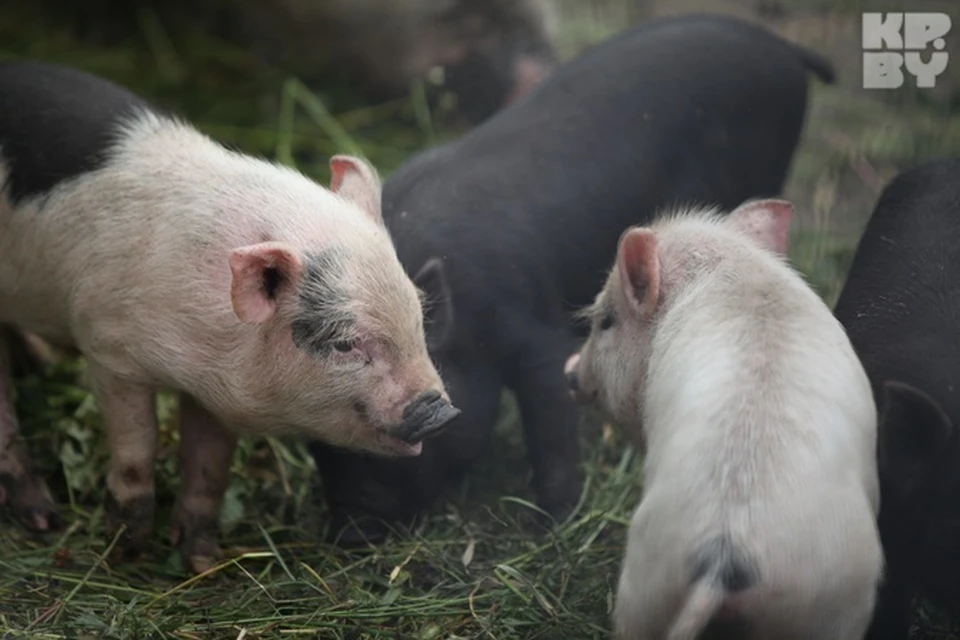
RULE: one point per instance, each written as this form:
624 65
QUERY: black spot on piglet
725 562
324 318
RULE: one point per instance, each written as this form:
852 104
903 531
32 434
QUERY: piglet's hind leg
206 451
130 417
21 490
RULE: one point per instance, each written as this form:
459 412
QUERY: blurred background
300 80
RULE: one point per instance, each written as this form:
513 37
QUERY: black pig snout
427 415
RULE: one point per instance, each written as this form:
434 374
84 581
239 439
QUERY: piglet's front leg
21 490
130 417
550 419
206 451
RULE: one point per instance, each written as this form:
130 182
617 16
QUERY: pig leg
367 496
550 418
25 494
361 504
130 417
206 451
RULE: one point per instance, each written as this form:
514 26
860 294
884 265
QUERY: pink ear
639 267
766 221
356 181
260 272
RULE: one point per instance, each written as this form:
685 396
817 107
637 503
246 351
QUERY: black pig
515 224
901 308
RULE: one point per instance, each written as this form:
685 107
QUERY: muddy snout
427 415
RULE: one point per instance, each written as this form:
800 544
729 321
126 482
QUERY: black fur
137 514
901 308
524 213
321 321
56 124
722 629
721 560
727 567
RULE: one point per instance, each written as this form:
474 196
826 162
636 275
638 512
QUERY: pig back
56 123
689 110
900 304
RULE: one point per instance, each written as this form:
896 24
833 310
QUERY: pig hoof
29 502
197 538
201 552
137 515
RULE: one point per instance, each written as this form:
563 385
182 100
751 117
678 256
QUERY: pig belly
33 293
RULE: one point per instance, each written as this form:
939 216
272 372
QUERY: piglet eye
344 346
606 322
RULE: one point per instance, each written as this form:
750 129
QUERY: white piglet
759 428
273 305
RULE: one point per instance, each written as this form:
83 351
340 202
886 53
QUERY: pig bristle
143 124
590 312
324 316
689 213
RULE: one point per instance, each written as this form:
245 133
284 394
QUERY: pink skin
395 384
249 265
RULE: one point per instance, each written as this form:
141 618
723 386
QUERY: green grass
472 569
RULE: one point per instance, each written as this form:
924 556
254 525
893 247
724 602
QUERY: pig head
340 337
610 371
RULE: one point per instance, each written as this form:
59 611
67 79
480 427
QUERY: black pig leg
368 496
550 420
353 496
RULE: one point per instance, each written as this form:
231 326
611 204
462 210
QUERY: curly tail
702 604
720 567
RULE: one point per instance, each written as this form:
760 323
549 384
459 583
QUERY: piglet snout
572 375
427 415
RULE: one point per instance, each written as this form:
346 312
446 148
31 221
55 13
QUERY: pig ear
913 426
260 273
639 267
438 311
356 181
766 221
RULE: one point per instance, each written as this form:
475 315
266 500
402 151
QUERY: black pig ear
438 306
913 427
